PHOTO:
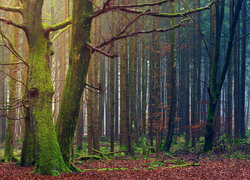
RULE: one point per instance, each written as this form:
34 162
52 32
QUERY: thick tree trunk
76 77
48 158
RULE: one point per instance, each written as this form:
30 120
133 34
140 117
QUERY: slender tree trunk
243 72
13 98
194 83
171 82
187 136
124 123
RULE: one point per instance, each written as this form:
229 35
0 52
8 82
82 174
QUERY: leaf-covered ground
142 169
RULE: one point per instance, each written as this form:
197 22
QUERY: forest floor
228 160
208 168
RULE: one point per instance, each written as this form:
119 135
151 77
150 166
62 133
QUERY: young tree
216 84
172 83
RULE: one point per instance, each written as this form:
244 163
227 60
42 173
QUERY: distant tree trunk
13 98
187 136
133 82
199 62
229 85
171 82
236 86
2 92
144 69
124 122
112 89
194 83
243 71
101 96
116 98
156 59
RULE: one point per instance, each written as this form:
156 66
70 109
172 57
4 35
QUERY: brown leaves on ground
140 169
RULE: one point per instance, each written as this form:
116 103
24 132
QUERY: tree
48 158
10 134
216 85
172 83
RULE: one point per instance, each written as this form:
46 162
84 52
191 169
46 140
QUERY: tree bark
79 59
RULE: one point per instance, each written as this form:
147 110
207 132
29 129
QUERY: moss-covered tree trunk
48 158
76 76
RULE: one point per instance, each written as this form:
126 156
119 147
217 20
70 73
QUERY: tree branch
140 32
156 14
94 49
11 47
7 21
59 33
59 25
106 8
129 24
11 9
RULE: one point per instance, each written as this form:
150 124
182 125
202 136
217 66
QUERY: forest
119 89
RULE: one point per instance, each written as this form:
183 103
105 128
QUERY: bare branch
106 8
9 22
167 15
10 64
113 39
156 14
94 49
11 9
59 25
8 74
133 21
11 47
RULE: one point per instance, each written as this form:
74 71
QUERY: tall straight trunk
144 80
95 61
124 111
101 96
243 72
79 59
90 108
156 59
229 87
2 112
199 56
194 83
187 136
133 81
13 98
112 89
172 83
236 87
116 99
